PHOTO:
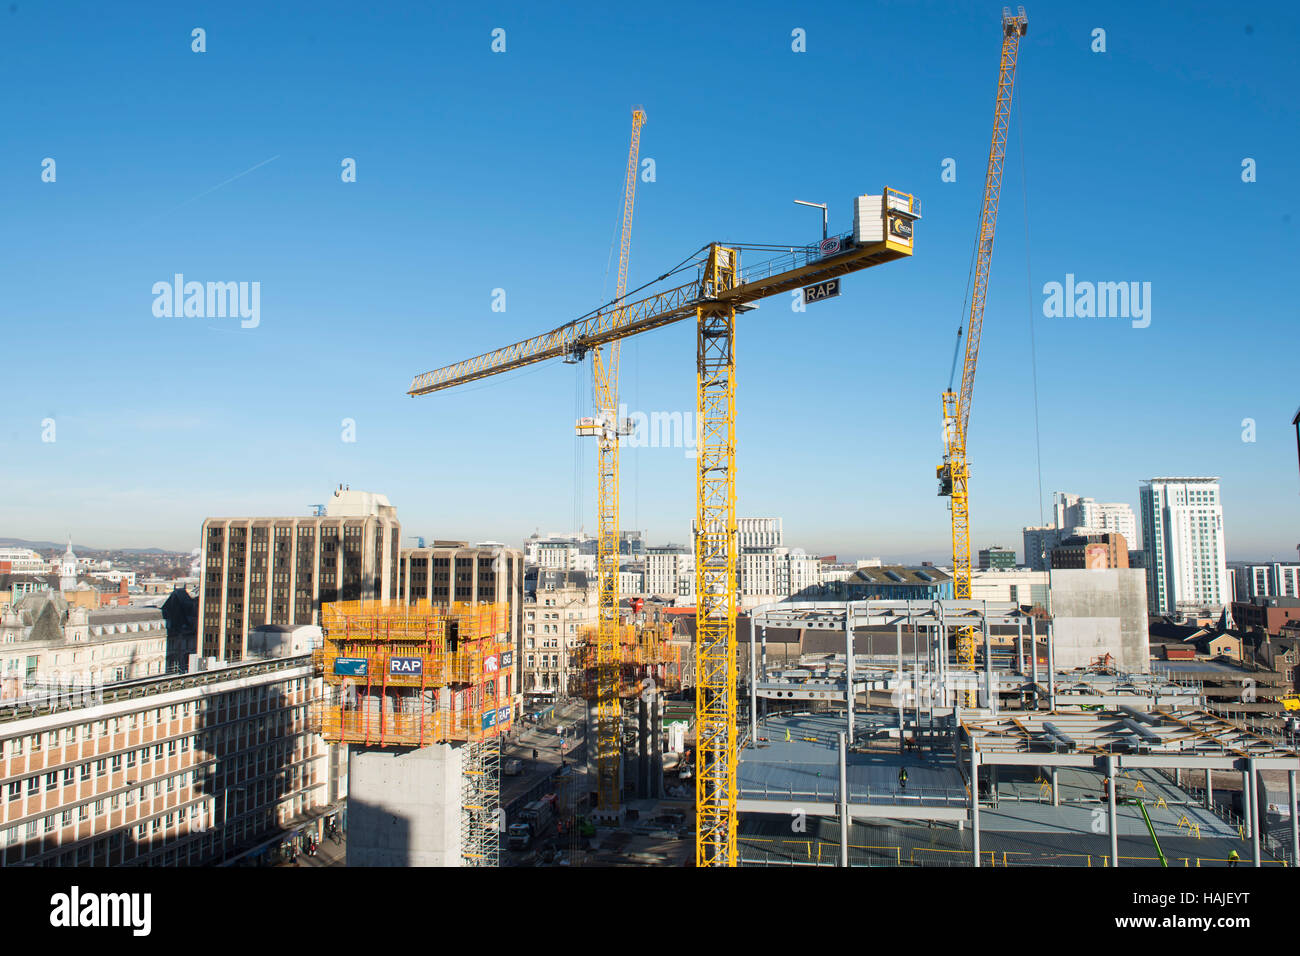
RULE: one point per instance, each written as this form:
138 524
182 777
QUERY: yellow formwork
431 672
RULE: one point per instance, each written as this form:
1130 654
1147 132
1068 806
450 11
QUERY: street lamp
816 205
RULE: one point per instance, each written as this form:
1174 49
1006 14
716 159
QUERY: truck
519 836
539 813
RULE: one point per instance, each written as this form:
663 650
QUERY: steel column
845 819
1114 817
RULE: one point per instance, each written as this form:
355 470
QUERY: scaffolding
646 652
480 803
409 675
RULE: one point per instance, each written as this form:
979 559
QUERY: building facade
260 571
997 557
1182 527
175 771
1266 580
1093 552
1078 515
559 608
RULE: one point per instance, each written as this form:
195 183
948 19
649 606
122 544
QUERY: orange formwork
408 675
645 651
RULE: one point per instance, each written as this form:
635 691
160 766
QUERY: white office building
1182 527
1089 516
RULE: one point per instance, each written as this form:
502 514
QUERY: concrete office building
177 770
260 571
1182 527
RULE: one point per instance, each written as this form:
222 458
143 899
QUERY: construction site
944 733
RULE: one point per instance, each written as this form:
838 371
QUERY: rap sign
406 665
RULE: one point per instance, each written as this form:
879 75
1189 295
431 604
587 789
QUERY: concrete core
404 805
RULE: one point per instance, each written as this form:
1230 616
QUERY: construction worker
787 735
1105 789
902 778
1233 858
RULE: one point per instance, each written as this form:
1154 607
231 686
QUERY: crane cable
1029 296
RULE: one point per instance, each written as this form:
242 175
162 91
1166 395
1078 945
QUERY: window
83 812
69 774
130 758
116 763
15 790
101 767
51 781
33 785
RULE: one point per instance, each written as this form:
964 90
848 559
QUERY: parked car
514 767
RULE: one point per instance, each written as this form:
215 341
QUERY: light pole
816 205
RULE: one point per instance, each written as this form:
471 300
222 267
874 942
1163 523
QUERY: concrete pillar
1256 817
845 821
763 632
1112 782
404 806
1056 798
975 802
1209 789
1295 820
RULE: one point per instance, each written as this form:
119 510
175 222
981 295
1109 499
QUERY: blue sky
479 170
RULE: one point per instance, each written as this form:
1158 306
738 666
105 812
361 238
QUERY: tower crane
954 474
606 429
714 296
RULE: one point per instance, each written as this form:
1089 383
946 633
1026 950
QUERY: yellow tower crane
714 296
606 429
953 474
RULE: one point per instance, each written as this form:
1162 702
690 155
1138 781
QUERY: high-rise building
1078 515
670 570
1182 528
259 571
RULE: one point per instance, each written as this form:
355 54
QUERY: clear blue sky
479 170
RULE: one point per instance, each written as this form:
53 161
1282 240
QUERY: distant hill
79 548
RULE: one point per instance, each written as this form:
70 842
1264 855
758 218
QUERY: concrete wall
404 806
1100 612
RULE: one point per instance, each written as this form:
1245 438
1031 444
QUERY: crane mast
719 292
954 473
607 430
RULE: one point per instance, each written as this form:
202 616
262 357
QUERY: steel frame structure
954 473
